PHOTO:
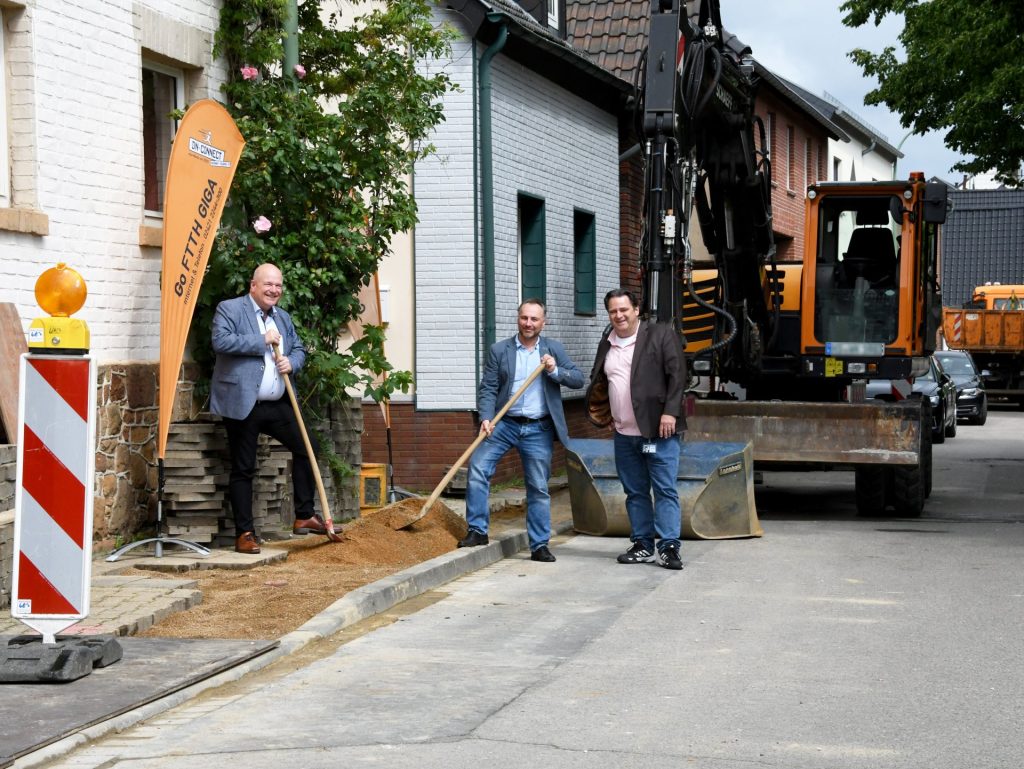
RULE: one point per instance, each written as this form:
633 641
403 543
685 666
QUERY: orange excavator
779 353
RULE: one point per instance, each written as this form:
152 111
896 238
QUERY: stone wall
8 475
8 472
6 558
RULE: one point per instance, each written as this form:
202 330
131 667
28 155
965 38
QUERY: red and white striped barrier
54 492
901 389
958 327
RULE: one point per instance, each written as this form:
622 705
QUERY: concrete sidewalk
126 605
828 644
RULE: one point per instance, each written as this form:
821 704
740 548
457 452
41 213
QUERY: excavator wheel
926 466
909 489
870 485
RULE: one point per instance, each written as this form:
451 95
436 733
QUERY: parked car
971 400
937 386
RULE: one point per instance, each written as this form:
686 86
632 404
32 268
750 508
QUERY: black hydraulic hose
716 61
731 334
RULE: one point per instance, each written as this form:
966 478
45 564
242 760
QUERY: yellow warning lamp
61 292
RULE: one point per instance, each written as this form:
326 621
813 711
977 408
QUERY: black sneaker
473 539
668 556
542 554
637 554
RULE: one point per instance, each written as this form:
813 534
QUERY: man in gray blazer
638 383
529 426
247 391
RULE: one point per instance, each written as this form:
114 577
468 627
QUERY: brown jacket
657 380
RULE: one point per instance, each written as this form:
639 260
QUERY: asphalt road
832 641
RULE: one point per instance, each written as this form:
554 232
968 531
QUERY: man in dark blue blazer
529 426
248 390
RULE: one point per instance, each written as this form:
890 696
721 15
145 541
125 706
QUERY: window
163 91
584 263
533 283
858 268
5 180
807 164
837 166
553 15
769 128
791 160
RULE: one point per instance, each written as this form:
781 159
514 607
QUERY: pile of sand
270 601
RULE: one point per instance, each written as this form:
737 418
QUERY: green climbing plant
321 188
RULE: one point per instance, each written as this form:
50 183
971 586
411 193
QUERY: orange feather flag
202 166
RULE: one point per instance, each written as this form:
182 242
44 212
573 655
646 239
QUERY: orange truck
991 328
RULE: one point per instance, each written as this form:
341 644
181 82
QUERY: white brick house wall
75 102
548 143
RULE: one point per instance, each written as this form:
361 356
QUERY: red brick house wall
631 197
425 444
799 157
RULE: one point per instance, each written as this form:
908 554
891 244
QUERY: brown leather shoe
246 543
312 525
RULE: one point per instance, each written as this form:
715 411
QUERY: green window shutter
585 263
532 248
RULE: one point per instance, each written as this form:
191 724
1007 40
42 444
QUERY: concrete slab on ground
35 715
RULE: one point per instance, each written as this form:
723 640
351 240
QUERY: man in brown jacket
641 367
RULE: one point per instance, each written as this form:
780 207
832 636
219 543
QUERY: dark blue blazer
496 385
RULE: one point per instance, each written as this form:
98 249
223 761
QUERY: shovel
468 452
332 535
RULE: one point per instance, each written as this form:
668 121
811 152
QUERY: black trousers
276 419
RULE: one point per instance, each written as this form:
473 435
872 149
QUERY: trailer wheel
909 486
869 486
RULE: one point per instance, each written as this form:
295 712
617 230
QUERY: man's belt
526 420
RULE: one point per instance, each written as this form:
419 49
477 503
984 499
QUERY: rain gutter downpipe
487 175
291 39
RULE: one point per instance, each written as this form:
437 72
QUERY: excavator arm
698 129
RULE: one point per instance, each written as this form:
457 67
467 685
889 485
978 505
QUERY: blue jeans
641 474
534 441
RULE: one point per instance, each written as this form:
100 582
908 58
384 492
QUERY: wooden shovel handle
479 438
328 520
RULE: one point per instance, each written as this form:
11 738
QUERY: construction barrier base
26 659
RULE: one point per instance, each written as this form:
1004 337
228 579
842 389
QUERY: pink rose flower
300 71
261 225
249 73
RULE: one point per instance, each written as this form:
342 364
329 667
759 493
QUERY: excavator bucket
715 483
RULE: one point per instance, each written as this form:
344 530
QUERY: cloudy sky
806 42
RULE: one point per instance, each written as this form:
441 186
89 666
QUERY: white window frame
553 19
807 165
790 161
5 145
179 103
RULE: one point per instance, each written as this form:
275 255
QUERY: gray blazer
240 349
496 384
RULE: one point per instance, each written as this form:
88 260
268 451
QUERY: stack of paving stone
196 469
195 481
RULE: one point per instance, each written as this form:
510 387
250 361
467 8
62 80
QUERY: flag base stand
158 551
160 539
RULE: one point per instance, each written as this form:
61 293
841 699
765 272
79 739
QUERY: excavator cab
870 279
857 264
